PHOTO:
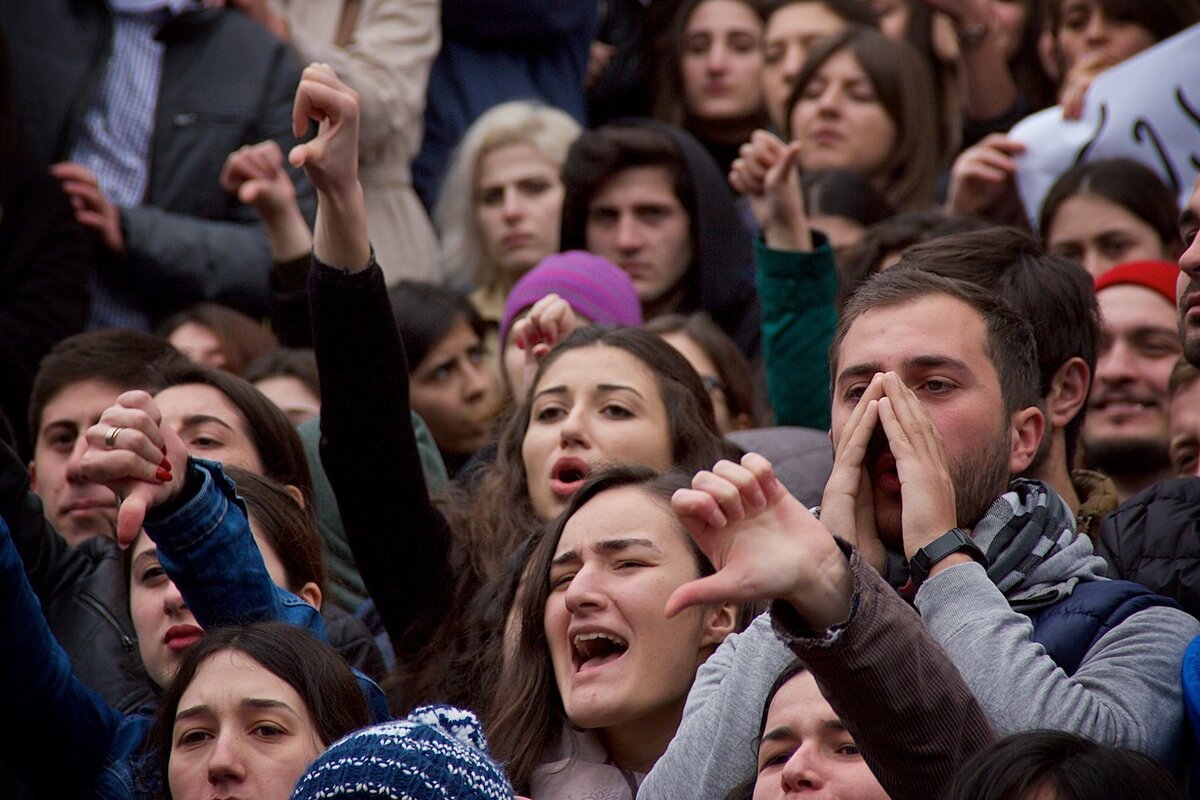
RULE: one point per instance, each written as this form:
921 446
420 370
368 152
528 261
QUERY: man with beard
1125 435
935 406
1058 299
1188 286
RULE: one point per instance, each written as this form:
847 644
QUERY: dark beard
981 479
1127 456
1191 347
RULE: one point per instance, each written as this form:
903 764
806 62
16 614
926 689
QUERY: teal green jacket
797 290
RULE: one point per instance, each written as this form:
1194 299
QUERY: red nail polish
165 465
163 475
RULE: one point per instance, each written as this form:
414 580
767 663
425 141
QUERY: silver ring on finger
110 438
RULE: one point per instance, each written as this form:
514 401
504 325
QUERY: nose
1093 262
573 431
75 461
1097 30
513 207
585 592
829 102
629 234
718 58
477 381
226 762
173 602
1189 262
803 769
1116 365
793 58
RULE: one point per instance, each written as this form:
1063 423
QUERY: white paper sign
1146 108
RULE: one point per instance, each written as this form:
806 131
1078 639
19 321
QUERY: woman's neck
636 745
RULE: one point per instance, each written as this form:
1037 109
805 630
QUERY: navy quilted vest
1069 628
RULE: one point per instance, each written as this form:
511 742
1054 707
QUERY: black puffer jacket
1153 539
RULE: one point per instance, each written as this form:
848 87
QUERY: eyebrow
784 732
145 555
603 387
249 702
917 362
1188 216
606 546
201 419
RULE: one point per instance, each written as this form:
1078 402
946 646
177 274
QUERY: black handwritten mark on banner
1087 148
1144 129
1194 115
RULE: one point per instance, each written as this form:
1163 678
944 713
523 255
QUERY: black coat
1153 539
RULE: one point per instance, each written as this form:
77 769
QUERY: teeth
585 648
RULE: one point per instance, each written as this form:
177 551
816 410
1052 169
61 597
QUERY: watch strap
955 540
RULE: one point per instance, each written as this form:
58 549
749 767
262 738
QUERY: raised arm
400 541
797 282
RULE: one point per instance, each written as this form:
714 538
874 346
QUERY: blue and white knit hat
437 753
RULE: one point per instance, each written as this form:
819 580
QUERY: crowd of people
577 400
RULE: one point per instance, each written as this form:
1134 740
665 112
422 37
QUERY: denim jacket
66 740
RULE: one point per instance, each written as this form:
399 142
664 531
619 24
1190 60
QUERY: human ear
296 494
1027 426
719 622
311 594
32 476
1068 392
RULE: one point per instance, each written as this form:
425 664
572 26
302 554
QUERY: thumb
250 191
782 170
298 155
718 588
130 517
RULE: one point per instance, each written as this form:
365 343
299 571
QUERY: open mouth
592 650
568 475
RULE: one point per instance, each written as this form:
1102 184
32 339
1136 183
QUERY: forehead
690 349
627 512
229 676
636 186
936 326
799 19
80 401
723 13
1127 306
588 367
1088 215
178 403
842 65
799 705
142 544
510 162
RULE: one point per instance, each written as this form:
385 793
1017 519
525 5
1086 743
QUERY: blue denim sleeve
206 547
58 732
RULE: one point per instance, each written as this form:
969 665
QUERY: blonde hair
549 130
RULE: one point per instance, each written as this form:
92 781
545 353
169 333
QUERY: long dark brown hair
905 88
495 520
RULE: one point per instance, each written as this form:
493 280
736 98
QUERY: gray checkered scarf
1036 557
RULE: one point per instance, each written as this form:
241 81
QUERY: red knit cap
1157 276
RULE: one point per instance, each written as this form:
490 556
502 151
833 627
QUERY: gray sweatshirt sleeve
714 749
1126 693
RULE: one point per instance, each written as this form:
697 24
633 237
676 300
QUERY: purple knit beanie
593 286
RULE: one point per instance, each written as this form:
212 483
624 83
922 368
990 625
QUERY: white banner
1146 108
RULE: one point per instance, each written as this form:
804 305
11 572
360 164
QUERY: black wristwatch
955 540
